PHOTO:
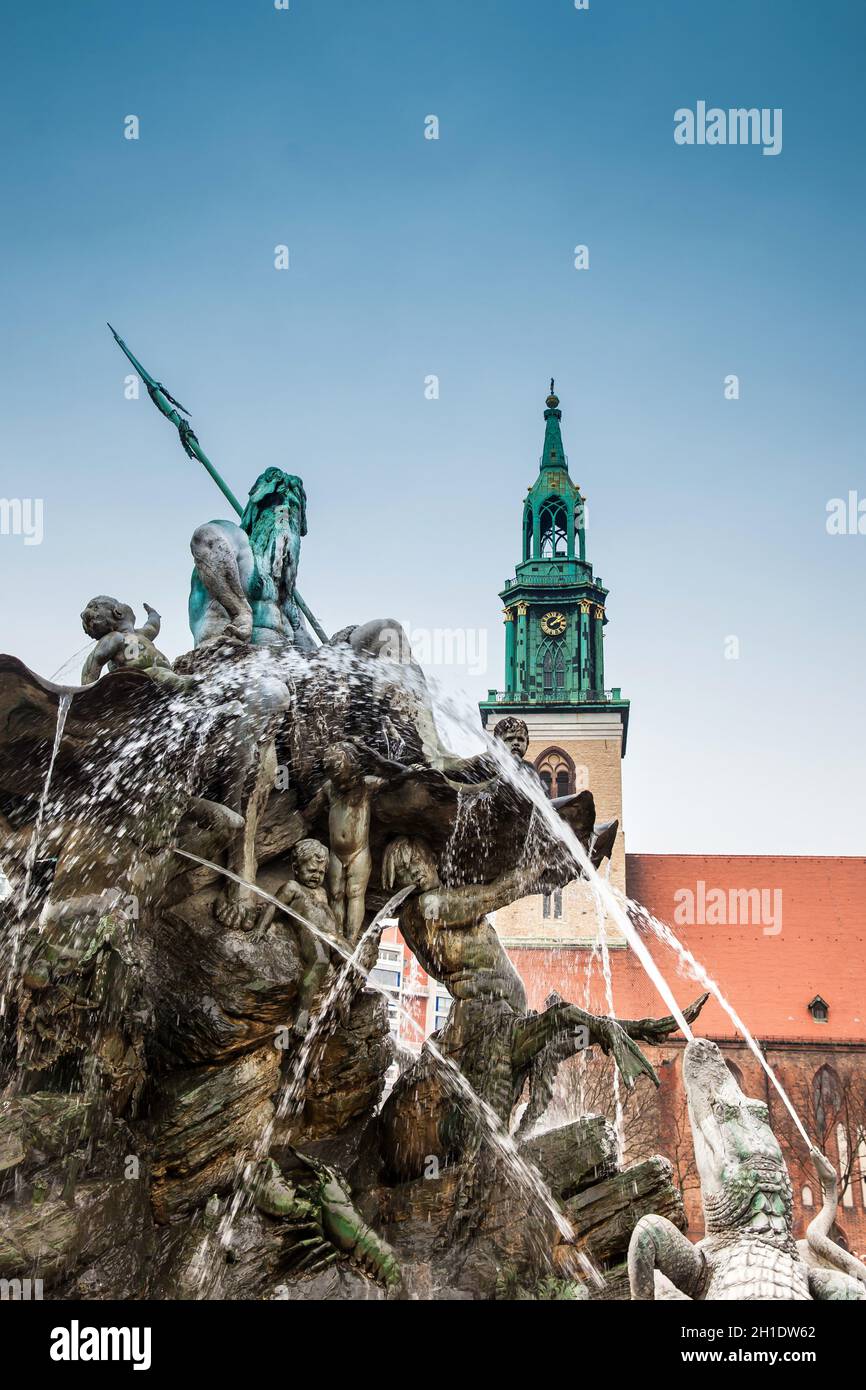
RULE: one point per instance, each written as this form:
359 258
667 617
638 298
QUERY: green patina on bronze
175 412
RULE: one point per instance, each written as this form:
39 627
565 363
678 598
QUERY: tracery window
553 530
553 668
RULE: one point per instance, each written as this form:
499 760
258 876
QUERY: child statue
348 794
306 895
121 645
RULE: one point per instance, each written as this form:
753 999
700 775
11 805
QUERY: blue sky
411 257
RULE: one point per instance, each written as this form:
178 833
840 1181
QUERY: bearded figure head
275 519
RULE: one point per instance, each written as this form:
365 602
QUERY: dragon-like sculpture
749 1252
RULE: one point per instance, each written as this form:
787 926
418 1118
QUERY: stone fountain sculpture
191 1076
749 1253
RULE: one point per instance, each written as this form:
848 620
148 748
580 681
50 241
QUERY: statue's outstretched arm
657 1029
462 906
150 629
286 894
385 768
563 1020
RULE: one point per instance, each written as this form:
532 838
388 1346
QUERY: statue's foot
236 916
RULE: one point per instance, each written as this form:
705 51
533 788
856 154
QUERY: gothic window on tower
557 772
553 668
554 530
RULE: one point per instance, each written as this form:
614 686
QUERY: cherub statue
348 794
514 733
120 644
305 894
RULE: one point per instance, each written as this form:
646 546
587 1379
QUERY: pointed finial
553 400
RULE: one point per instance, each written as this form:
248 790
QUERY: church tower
555 615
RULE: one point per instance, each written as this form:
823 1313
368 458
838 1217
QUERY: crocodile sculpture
749 1252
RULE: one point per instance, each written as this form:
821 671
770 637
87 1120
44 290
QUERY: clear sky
411 257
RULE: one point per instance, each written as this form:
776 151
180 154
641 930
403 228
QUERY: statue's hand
241 627
657 1029
626 1053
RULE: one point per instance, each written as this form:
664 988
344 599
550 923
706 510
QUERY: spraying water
33 846
17 923
562 831
601 938
664 933
621 909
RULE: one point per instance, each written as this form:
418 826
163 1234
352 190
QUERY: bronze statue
120 645
305 895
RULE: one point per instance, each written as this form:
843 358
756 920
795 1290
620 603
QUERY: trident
175 412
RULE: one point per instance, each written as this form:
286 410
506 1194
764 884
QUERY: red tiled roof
768 976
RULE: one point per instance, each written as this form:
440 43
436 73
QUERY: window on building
389 978
441 1009
552 904
553 668
556 770
806 1197
819 1009
826 1099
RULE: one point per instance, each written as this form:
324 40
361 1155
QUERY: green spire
553 454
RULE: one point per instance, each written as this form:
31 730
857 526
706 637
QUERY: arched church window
807 1199
556 770
553 530
826 1098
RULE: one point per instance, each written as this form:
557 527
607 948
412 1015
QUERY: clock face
554 624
